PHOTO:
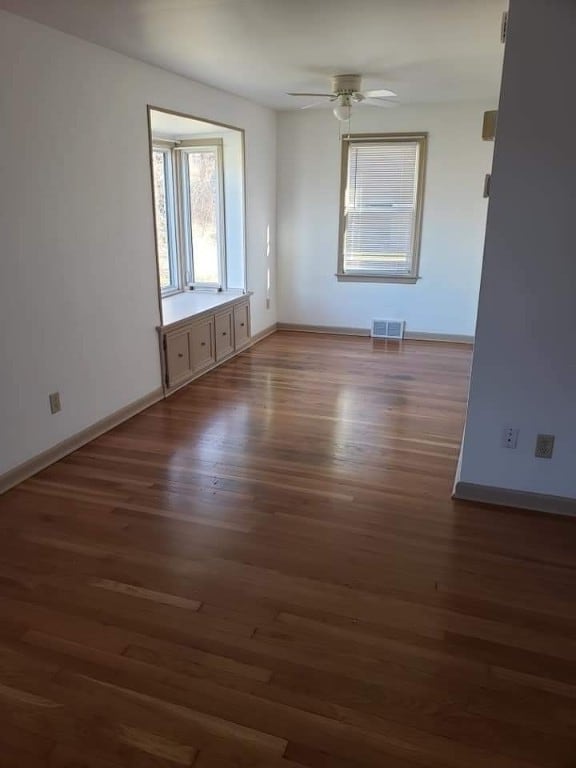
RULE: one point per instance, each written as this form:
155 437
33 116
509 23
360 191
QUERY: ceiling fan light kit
346 92
343 110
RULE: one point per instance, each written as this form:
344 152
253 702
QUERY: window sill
188 304
169 292
368 278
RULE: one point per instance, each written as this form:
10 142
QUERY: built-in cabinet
194 345
178 358
242 324
202 347
224 330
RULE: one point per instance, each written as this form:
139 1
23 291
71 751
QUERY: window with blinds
381 206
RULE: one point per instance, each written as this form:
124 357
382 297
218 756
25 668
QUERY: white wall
78 302
234 205
524 371
445 299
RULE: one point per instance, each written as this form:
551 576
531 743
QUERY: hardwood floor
267 570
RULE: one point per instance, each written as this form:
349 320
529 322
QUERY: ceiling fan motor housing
346 84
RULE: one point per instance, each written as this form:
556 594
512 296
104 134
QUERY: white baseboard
335 329
32 466
346 331
261 335
453 338
505 497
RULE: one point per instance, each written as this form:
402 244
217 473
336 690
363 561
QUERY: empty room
287 374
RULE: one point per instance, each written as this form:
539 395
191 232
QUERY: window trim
421 138
176 283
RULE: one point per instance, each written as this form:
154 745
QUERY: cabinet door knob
223 333
180 354
202 343
241 325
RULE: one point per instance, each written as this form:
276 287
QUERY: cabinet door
241 325
202 345
178 364
224 327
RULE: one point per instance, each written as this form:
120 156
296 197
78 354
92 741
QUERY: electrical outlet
55 405
544 446
509 437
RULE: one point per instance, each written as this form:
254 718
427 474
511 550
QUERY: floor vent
388 329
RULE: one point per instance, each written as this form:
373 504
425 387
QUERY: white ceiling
425 50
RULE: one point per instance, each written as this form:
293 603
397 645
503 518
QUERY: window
165 223
189 211
381 207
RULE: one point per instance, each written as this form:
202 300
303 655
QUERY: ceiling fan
346 92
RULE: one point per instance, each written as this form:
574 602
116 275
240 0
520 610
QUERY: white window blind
381 207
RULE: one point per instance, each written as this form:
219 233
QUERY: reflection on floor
267 570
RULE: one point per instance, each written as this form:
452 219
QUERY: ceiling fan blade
309 94
382 93
377 103
315 104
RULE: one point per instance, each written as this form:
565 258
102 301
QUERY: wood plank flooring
267 570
